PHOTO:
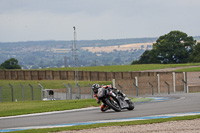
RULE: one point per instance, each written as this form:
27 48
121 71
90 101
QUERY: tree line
11 63
171 48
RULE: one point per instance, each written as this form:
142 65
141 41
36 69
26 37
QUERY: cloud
23 20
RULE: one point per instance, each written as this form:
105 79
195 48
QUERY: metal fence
20 92
30 92
72 92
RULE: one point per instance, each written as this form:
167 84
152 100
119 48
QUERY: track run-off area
163 106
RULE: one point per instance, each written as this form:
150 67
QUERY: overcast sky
32 20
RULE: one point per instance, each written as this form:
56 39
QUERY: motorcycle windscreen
101 92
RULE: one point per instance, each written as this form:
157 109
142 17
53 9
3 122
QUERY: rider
95 88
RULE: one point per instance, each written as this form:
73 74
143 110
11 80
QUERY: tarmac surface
175 103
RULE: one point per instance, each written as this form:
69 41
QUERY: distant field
125 68
118 48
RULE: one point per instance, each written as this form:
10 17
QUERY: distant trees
11 63
195 56
174 47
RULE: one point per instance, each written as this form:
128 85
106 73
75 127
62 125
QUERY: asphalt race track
173 103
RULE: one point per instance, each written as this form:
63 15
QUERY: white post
187 88
136 81
158 75
185 85
184 76
113 83
174 81
136 85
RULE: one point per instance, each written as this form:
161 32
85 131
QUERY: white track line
47 113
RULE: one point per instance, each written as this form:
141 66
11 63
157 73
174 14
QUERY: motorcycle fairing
101 92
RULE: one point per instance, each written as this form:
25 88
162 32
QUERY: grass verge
140 122
29 107
124 68
194 69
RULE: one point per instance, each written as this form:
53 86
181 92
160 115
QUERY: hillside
57 54
43 54
125 47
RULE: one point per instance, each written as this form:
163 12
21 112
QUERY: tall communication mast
75 57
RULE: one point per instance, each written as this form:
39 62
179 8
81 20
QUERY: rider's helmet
95 88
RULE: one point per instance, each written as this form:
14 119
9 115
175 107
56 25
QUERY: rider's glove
98 101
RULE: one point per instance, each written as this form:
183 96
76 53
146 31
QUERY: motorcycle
114 100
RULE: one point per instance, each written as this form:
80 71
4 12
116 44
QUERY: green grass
125 68
194 69
29 107
139 122
19 93
142 99
6 93
51 84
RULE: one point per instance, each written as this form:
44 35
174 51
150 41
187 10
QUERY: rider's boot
104 107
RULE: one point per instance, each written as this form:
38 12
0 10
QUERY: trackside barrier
92 93
136 89
22 91
19 92
42 91
152 88
168 87
70 88
78 96
67 90
185 85
12 95
32 91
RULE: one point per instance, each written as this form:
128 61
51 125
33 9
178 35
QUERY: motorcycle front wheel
131 105
113 104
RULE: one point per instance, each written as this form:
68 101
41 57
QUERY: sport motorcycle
114 100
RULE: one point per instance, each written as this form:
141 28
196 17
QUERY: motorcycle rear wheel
113 104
